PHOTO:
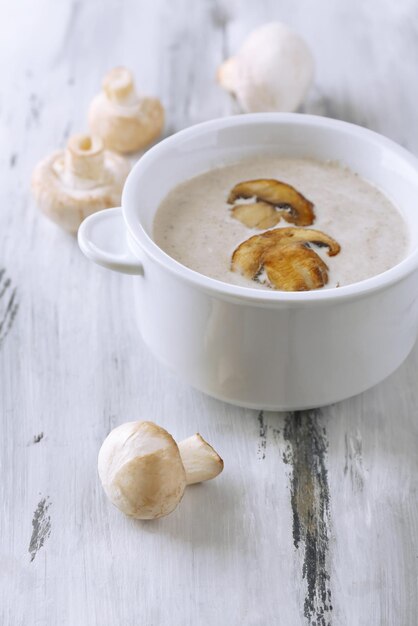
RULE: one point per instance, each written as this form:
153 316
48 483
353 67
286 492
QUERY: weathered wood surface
314 520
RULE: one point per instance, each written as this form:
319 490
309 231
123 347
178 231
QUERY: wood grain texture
314 520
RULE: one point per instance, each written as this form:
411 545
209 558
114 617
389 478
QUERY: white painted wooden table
315 518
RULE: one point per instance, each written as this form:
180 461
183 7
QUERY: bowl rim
142 242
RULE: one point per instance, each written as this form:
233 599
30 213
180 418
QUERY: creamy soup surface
194 224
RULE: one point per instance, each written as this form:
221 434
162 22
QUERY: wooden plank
315 517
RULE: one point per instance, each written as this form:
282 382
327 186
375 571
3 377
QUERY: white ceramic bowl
256 348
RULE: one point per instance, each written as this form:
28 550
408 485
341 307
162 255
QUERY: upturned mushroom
283 258
273 200
144 472
71 184
272 71
125 120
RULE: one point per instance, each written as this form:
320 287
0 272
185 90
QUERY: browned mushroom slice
284 199
283 258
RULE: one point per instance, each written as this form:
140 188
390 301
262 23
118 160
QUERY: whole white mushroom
272 71
126 120
71 184
144 472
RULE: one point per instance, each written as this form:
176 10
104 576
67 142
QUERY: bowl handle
103 238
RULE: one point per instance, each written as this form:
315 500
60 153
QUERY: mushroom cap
272 71
67 198
141 470
126 122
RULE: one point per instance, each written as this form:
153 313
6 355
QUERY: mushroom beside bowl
262 348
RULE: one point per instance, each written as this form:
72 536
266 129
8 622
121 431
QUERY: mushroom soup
281 223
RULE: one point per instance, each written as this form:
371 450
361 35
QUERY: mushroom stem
227 74
201 462
118 85
84 157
